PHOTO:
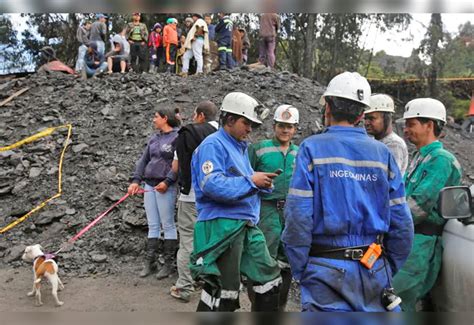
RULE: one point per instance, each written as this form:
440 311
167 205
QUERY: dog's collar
48 256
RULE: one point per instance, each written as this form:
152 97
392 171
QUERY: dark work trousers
139 56
225 55
160 57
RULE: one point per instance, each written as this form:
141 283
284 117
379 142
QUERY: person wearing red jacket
170 42
155 44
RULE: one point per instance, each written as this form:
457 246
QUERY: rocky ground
112 119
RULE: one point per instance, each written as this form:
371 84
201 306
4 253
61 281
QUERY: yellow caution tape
33 138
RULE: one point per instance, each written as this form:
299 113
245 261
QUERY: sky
392 42
396 43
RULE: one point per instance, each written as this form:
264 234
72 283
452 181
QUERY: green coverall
266 156
224 249
431 169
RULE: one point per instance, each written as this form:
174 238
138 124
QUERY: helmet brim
251 119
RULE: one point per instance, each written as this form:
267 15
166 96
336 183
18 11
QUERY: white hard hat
241 104
349 85
425 107
381 103
287 114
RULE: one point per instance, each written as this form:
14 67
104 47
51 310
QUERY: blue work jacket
222 179
346 190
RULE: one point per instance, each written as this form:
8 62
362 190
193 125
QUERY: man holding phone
227 241
278 156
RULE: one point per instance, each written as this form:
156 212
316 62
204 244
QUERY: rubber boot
202 306
267 301
284 288
169 248
150 257
229 305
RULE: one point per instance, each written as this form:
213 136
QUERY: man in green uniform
269 156
431 169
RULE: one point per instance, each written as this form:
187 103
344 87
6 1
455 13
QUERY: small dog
43 266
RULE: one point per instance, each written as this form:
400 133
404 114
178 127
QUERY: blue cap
100 16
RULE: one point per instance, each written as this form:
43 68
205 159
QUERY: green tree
459 53
430 47
9 46
56 30
340 36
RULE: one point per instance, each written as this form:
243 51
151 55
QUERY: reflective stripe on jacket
266 156
222 179
346 189
431 169
224 31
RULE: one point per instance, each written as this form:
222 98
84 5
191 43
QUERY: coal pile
112 120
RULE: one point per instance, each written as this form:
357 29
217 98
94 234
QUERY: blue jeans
80 57
100 47
91 72
160 211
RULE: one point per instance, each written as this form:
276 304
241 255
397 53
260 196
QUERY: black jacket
189 138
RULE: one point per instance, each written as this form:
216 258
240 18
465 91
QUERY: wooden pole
18 93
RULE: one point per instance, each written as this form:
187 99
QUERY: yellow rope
32 138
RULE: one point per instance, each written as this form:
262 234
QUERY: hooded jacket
154 166
155 40
189 138
170 35
94 56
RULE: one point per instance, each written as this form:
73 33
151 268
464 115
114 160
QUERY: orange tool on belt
372 255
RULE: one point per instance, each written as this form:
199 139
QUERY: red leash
96 220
